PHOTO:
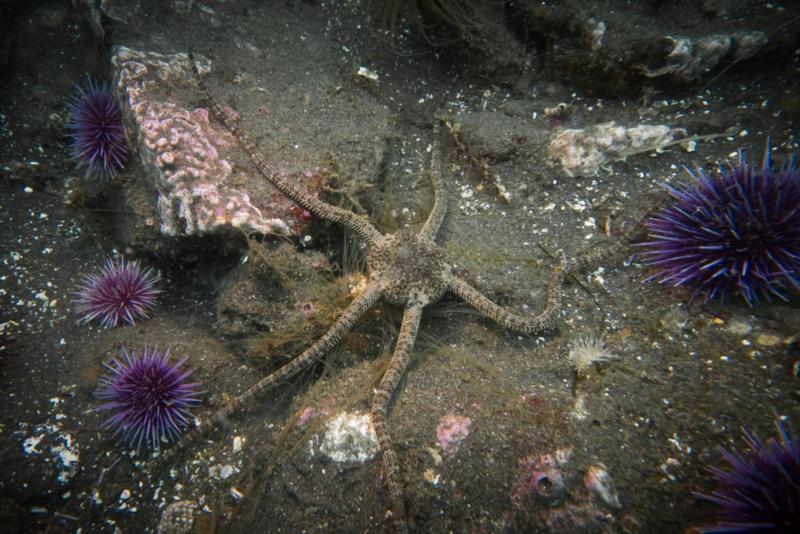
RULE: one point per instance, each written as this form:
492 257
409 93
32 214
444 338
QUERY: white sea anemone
587 350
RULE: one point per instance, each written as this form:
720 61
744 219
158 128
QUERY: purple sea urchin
122 291
761 491
737 231
97 132
149 396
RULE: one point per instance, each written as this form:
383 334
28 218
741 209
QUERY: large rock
189 159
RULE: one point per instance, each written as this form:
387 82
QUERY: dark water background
685 379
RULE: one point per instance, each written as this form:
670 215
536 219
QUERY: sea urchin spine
737 231
97 131
149 396
761 491
122 291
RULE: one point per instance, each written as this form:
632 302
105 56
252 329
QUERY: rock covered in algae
203 184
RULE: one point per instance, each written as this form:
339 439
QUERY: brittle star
405 269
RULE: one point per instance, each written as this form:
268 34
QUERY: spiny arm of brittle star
436 216
340 327
595 255
282 180
380 408
529 325
609 249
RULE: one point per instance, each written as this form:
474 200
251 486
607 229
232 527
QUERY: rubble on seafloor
451 431
692 59
177 518
582 152
565 498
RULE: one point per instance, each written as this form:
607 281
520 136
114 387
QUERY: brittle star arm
280 179
436 216
380 408
598 254
340 327
529 325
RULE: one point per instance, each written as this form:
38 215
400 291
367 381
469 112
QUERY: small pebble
768 340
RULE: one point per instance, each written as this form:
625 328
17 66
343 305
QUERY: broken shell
599 483
367 74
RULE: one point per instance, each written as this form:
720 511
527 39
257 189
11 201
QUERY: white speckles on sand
57 445
222 472
29 444
579 411
67 454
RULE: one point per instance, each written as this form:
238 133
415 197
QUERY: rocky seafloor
562 122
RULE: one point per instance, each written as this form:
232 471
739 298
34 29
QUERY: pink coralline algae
306 415
188 158
325 408
452 430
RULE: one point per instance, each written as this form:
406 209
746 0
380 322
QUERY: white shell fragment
599 483
349 437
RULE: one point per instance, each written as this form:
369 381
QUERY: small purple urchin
149 396
734 232
761 492
97 132
123 291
